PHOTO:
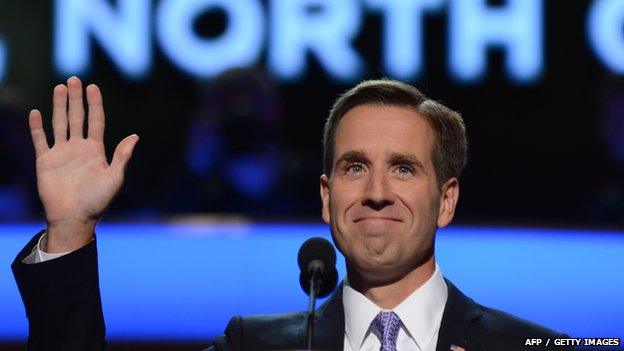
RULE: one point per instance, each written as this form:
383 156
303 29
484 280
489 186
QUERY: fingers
59 114
37 132
123 153
96 113
75 112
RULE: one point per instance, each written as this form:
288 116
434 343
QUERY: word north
289 31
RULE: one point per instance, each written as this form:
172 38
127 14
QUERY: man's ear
325 198
448 201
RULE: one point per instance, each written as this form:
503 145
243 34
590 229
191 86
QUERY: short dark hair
450 146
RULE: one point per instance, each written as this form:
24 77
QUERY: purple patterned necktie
386 326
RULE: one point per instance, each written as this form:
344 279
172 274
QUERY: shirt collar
421 312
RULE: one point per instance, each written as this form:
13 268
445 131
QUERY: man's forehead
383 129
384 116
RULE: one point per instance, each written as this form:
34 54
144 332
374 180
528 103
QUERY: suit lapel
458 327
329 324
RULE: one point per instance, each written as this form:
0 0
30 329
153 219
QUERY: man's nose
377 194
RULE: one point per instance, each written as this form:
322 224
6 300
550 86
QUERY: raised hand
74 180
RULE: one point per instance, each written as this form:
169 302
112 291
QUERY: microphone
318 277
317 260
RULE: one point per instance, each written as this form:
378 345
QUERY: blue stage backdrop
184 281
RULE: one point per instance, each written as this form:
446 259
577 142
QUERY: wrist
68 235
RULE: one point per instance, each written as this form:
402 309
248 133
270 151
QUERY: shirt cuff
37 255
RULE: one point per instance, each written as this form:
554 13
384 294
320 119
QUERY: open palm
74 180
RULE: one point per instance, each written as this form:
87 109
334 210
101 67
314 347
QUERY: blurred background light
238 46
404 34
605 23
3 59
123 31
515 26
324 28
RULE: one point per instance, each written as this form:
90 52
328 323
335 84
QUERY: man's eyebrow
351 156
396 158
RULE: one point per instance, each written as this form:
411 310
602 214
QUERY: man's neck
390 295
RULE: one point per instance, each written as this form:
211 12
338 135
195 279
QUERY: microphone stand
316 268
311 309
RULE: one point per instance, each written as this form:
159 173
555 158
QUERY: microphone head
316 248
318 257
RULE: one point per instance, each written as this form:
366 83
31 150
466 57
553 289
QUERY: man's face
382 200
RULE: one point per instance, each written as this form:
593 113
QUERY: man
392 161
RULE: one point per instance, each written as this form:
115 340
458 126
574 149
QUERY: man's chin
384 269
377 273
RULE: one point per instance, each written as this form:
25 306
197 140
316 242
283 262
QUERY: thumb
123 153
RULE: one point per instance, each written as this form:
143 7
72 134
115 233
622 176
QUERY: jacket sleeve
231 339
62 300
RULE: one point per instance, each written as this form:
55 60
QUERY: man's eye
405 169
355 168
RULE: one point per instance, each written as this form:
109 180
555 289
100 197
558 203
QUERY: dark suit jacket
62 300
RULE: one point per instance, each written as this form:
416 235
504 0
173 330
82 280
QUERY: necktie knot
386 326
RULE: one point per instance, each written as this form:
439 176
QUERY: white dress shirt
421 315
37 255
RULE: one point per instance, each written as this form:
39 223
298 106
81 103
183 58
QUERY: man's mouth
376 218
